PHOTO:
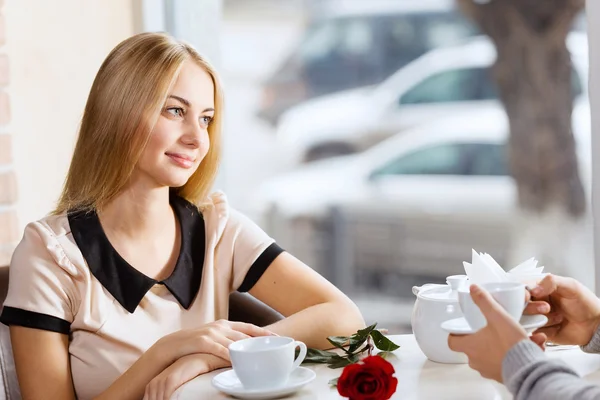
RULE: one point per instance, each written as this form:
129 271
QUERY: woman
122 292
502 350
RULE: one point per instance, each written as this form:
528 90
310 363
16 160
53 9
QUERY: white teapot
434 305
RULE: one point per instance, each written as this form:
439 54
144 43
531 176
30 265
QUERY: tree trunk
533 73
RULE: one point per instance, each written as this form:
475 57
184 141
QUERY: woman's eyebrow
187 103
180 99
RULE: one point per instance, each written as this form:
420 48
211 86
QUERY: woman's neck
137 211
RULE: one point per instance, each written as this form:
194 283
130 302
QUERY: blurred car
425 197
357 43
442 82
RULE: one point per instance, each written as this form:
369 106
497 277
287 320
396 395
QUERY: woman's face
179 140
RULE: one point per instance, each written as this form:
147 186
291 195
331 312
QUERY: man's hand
573 311
487 347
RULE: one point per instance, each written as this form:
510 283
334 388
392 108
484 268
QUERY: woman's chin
175 181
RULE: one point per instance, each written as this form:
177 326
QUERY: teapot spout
417 289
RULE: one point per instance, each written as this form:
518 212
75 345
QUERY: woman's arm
43 368
42 359
42 363
314 308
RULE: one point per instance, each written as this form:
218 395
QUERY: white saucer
228 383
459 326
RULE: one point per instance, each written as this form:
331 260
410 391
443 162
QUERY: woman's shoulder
50 227
45 239
215 206
219 216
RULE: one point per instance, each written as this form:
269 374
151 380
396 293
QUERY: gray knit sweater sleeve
594 345
530 375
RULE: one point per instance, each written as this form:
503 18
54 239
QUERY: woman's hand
487 347
573 310
213 338
181 371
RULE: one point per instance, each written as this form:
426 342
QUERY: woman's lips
181 160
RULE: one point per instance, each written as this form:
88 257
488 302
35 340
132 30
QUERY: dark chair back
9 386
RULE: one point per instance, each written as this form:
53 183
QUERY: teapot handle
417 289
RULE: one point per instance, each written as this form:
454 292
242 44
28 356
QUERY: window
445 159
488 159
576 87
319 42
405 37
468 159
339 54
357 39
336 38
468 84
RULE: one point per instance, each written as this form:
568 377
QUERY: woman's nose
193 135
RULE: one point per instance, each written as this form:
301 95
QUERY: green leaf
353 358
314 356
362 350
333 382
356 346
339 341
382 342
360 337
339 362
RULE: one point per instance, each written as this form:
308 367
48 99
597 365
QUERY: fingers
562 286
457 342
554 319
215 338
491 310
539 339
234 335
537 307
154 390
550 331
214 344
183 370
250 330
215 362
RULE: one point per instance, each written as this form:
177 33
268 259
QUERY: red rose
372 379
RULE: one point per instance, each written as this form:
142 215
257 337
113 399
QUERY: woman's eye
175 111
205 121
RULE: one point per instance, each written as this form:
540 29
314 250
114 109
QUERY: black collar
129 286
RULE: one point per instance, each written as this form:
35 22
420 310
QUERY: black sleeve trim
260 266
31 319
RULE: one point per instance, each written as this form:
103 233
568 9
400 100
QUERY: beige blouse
66 277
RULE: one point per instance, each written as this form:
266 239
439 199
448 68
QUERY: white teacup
266 361
510 295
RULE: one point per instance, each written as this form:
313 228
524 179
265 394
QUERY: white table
418 378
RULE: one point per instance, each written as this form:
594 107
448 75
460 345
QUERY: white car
443 82
425 197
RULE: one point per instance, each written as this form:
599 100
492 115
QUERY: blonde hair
123 106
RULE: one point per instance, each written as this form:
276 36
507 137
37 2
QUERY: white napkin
483 268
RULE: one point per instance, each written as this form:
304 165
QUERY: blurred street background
313 90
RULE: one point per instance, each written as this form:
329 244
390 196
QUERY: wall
8 187
54 50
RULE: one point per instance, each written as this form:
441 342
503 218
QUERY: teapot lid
439 293
446 292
